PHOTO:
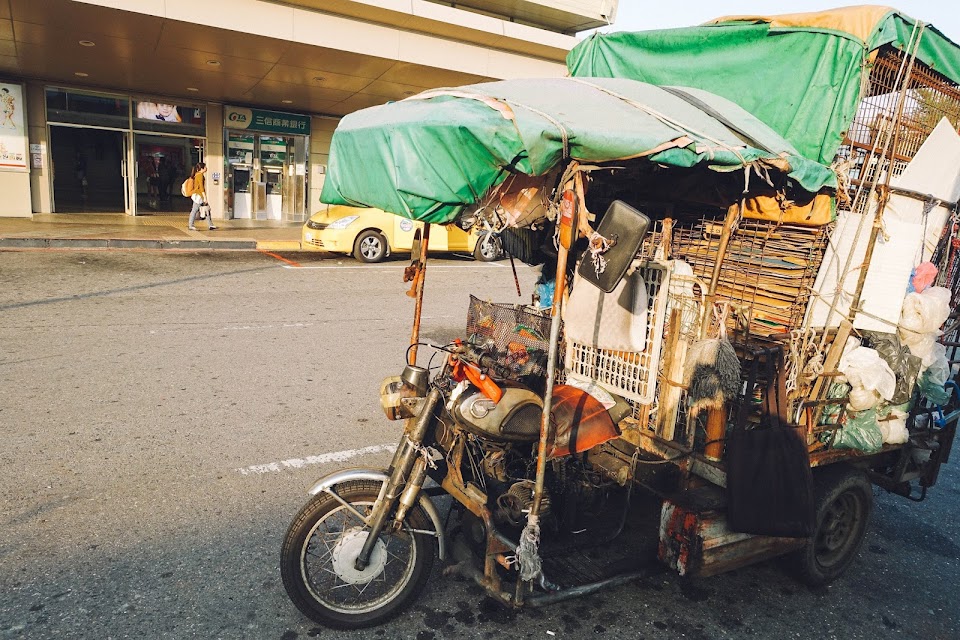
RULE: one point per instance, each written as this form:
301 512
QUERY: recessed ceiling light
87 43
213 63
287 101
192 89
80 74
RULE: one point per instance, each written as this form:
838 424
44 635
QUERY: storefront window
92 109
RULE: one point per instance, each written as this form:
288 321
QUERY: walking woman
198 193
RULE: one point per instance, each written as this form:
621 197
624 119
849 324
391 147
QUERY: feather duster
711 374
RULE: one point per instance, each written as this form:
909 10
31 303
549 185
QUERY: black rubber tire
354 492
843 502
481 252
370 246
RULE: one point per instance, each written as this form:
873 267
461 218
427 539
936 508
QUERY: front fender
378 475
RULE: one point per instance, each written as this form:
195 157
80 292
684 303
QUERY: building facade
106 104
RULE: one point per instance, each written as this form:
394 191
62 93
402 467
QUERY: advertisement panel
13 132
168 112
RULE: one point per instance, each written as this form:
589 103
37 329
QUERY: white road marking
324 458
402 267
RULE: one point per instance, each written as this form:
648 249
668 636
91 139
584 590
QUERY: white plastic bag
925 312
870 377
860 399
894 427
922 345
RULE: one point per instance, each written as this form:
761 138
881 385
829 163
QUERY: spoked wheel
844 501
324 540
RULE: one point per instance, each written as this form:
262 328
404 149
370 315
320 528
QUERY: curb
91 243
278 245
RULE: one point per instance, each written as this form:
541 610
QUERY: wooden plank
674 358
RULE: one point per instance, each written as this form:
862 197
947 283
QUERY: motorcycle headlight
393 392
342 223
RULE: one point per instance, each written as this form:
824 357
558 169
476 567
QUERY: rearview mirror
625 227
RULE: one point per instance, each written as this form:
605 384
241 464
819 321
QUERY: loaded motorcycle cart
731 340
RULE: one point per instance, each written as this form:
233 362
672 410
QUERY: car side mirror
626 228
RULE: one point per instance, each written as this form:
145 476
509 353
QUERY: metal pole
421 276
545 424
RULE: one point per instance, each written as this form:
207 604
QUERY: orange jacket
199 186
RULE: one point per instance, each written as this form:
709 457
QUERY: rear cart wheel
844 502
370 246
322 543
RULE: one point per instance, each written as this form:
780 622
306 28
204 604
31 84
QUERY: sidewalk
157 231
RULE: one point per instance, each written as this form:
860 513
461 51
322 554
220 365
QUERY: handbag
769 481
204 211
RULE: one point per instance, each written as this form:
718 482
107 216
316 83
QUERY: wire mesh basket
518 339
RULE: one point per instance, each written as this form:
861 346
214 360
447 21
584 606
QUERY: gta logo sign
238 117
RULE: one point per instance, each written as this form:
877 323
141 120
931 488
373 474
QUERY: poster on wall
13 133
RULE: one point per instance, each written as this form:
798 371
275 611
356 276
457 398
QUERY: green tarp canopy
800 73
429 156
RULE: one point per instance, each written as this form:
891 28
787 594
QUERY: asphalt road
162 415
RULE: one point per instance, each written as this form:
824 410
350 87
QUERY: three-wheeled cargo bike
713 355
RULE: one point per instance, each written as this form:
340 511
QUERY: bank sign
266 121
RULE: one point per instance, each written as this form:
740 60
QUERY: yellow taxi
371 235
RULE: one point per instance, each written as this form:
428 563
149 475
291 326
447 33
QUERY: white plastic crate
632 375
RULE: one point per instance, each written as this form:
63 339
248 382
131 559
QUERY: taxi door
439 235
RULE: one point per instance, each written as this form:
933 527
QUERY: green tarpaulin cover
801 74
428 156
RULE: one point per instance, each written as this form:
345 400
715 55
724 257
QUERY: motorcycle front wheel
324 540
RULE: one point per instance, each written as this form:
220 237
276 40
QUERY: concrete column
215 160
321 134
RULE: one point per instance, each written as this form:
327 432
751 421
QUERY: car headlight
313 224
342 223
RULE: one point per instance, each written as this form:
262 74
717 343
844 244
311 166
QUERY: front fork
408 471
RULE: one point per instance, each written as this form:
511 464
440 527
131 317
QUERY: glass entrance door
89 169
161 164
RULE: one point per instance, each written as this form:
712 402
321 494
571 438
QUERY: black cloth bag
769 482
